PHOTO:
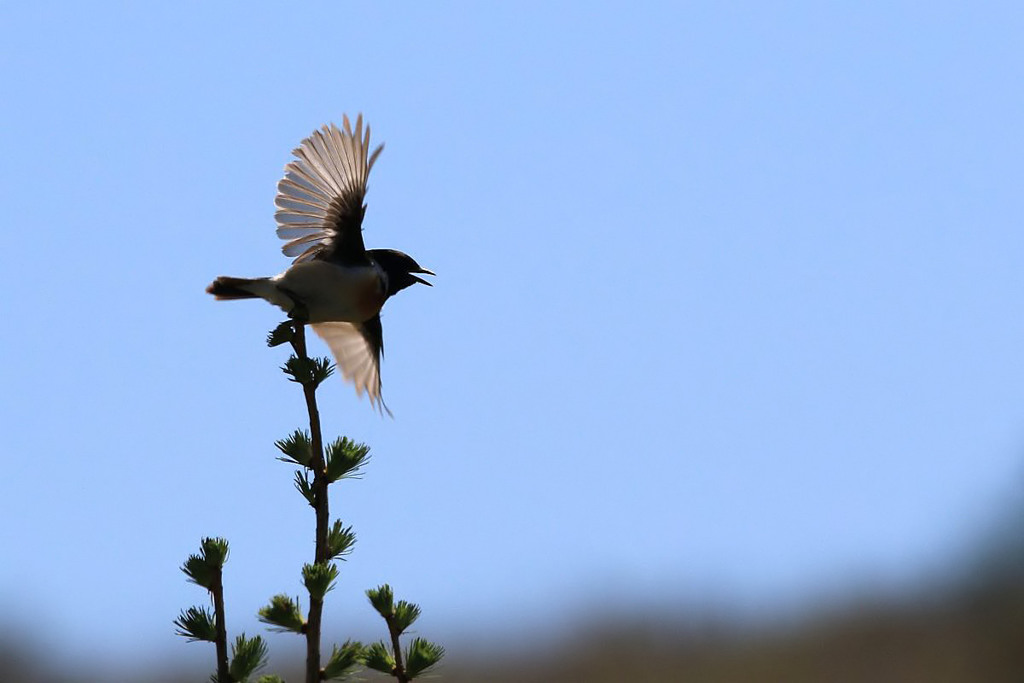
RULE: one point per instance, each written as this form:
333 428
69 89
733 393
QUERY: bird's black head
400 269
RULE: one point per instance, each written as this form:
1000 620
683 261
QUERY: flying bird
335 284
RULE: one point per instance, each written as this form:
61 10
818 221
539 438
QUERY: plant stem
222 629
396 646
319 467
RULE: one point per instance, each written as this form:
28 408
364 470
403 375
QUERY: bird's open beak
421 280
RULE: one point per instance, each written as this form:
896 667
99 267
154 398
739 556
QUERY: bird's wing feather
320 199
357 348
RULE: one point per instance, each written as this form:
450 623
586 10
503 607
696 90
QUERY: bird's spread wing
320 199
357 348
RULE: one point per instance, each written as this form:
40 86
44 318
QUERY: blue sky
728 304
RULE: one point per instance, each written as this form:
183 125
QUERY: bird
335 284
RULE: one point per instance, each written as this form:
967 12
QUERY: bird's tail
226 288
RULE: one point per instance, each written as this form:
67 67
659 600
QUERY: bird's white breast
334 293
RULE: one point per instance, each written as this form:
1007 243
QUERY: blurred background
720 380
